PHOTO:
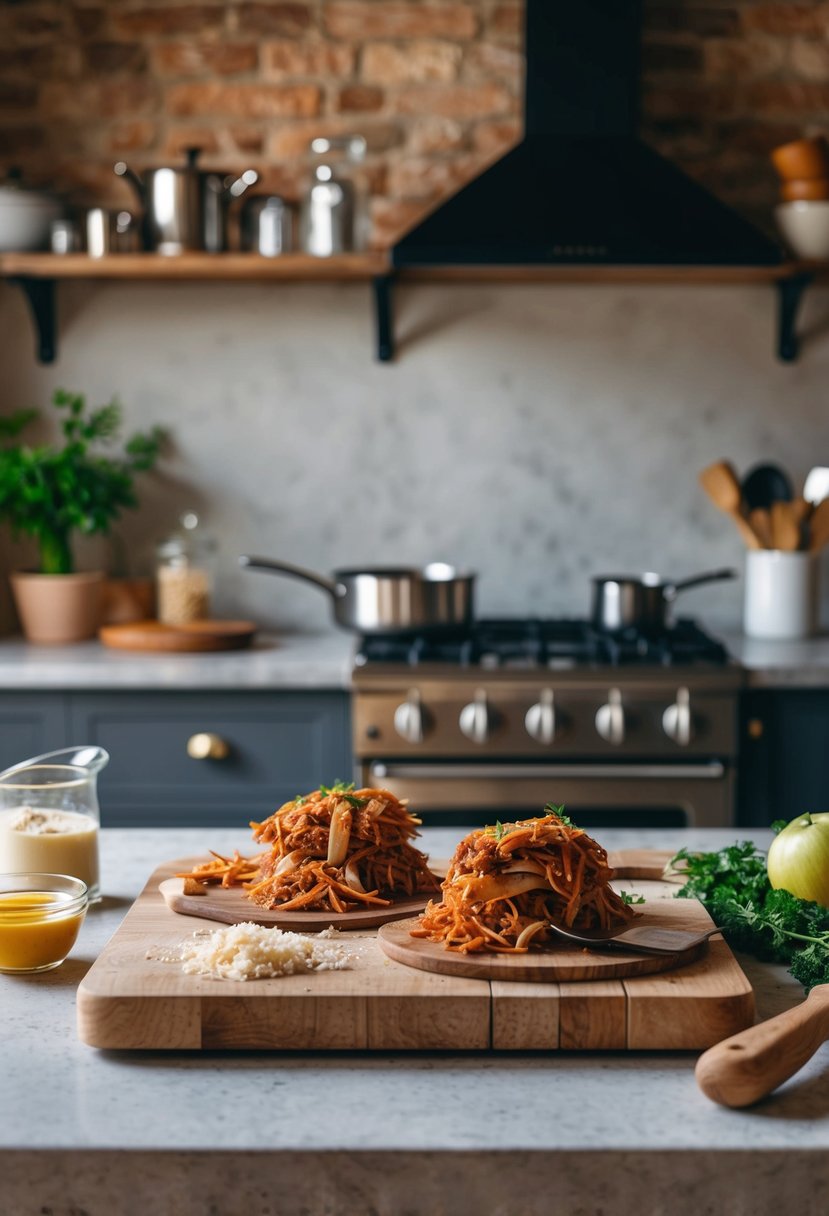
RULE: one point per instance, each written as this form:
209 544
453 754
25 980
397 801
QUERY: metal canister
267 225
108 232
64 237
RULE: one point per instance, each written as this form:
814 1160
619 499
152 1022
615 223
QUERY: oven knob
677 720
475 719
610 719
540 719
408 718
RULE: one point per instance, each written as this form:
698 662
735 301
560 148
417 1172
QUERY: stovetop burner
557 644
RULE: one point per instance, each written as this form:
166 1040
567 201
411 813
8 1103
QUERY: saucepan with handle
642 602
388 599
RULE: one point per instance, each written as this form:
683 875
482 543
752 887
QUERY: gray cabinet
30 723
784 758
278 744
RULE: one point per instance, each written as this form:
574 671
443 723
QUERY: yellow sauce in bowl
37 929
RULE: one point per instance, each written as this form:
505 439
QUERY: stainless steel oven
644 744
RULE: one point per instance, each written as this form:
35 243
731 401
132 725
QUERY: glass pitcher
49 815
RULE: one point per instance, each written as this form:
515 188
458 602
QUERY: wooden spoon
785 527
760 521
819 526
743 1069
722 486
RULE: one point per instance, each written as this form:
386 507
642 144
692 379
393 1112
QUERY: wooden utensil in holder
721 484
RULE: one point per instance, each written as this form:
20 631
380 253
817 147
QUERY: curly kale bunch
773 925
50 492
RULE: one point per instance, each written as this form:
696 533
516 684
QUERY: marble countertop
104 1132
296 661
320 661
796 664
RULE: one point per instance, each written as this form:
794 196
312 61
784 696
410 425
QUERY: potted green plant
54 491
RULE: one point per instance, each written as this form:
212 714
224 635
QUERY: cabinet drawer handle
207 746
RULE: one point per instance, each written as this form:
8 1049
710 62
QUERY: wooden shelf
364 266
37 274
189 266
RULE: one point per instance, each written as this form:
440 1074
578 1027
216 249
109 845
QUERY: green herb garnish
498 830
627 898
773 925
343 790
552 809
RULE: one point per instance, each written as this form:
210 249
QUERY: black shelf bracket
384 316
40 294
790 293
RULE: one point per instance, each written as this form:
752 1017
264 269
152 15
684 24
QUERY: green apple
798 859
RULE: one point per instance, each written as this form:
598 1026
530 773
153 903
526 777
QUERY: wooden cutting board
131 999
196 637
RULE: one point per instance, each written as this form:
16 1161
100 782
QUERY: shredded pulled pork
506 884
333 850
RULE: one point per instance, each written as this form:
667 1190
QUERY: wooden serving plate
196 637
561 962
230 906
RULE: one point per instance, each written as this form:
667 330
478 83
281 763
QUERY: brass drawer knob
755 728
207 746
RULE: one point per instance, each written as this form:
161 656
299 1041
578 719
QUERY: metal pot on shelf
388 599
185 208
642 602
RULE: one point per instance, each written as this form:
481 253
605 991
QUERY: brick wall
434 85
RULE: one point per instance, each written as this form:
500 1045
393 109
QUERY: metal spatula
638 940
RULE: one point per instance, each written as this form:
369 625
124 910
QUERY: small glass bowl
40 916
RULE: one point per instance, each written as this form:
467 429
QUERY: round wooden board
229 906
198 636
563 963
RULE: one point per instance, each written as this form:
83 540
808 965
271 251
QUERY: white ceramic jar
780 594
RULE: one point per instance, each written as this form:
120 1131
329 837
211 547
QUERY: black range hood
582 188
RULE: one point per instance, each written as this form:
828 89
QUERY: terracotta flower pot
58 607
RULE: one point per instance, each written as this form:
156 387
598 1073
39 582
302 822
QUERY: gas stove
537 644
510 714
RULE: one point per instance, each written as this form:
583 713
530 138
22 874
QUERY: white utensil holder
780 594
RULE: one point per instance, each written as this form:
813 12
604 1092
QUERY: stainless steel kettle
185 208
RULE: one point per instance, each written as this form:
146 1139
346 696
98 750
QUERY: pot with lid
388 599
185 208
25 215
642 602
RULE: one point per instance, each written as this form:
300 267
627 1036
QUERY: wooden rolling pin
743 1069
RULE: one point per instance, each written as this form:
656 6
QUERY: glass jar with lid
334 213
185 573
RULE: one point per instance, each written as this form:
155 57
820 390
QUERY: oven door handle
713 770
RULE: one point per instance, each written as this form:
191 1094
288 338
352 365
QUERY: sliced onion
352 878
526 866
375 808
498 886
339 834
528 932
289 862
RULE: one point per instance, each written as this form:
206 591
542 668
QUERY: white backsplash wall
536 434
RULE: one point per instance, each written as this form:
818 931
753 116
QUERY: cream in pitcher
49 816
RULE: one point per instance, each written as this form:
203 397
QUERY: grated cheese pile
254 952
